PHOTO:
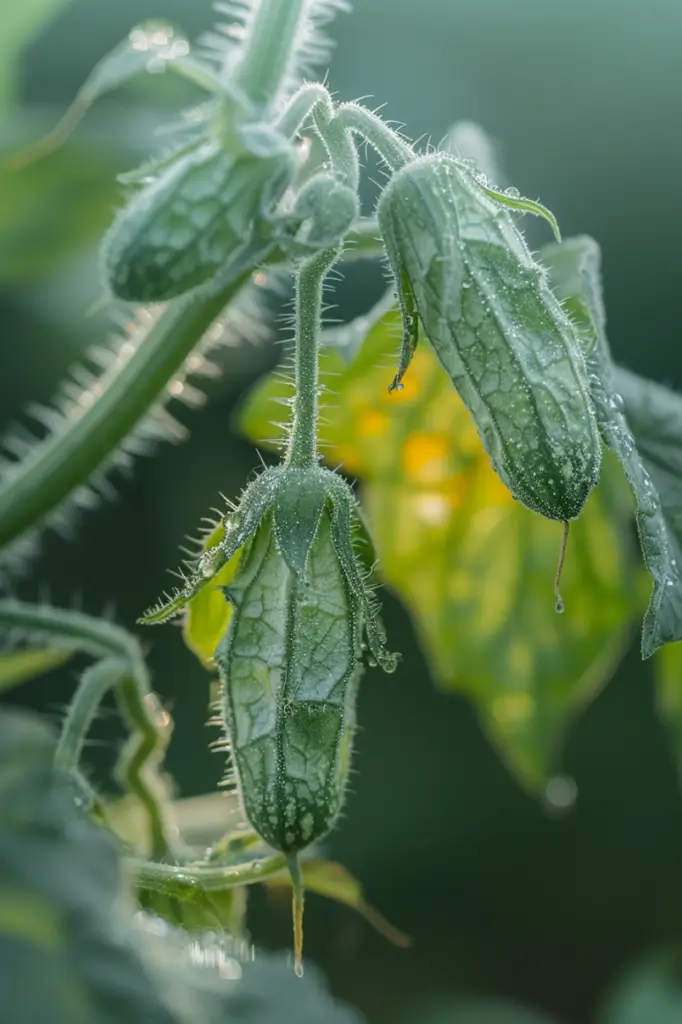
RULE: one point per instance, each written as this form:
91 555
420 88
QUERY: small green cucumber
209 211
462 268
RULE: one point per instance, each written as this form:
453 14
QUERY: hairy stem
184 878
73 630
95 683
45 478
302 449
146 720
137 765
264 65
299 108
315 100
392 149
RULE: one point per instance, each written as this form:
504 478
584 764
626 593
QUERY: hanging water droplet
561 792
616 402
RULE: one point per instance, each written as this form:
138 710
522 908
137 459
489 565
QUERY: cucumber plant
263 183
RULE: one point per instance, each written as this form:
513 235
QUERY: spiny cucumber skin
290 665
498 331
204 212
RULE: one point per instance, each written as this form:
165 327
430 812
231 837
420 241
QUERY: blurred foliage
62 920
474 567
20 22
19 666
648 993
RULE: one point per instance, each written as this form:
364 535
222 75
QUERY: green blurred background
583 101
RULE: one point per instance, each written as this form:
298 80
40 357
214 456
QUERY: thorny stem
264 64
74 630
45 478
315 100
80 632
95 683
300 106
392 149
136 767
302 449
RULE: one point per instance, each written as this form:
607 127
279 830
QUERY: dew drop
561 792
513 192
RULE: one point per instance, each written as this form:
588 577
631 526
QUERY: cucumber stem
560 568
298 899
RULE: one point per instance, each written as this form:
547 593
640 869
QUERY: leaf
208 612
21 22
70 951
649 993
152 46
575 275
474 567
60 917
18 667
330 879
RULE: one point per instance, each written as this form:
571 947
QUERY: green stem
95 683
265 63
67 460
103 639
74 630
297 904
393 150
182 879
315 99
339 144
137 764
300 106
302 449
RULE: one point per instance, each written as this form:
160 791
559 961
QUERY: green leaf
152 46
474 567
333 880
70 951
652 413
208 612
60 916
18 667
650 993
19 24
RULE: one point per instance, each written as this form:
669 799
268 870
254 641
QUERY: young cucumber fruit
208 212
291 659
463 270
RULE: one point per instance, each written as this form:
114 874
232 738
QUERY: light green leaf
18 667
575 275
63 922
208 612
327 878
474 567
19 24
152 46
